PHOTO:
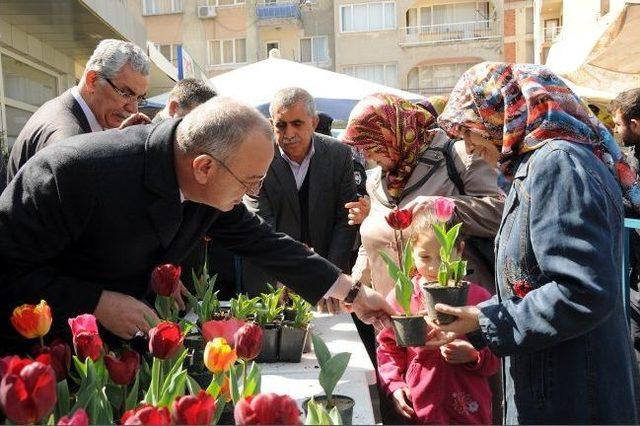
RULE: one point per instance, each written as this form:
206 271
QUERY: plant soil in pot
292 341
410 330
343 403
269 352
449 295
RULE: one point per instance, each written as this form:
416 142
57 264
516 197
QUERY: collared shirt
93 123
299 170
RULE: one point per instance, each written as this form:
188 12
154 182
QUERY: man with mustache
114 82
308 183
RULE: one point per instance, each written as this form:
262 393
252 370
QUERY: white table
340 334
300 380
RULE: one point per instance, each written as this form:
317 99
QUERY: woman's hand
467 319
358 210
459 352
401 399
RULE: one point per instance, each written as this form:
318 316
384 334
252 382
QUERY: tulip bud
88 345
147 414
267 409
79 418
85 322
399 219
165 279
219 356
122 371
58 356
444 208
194 409
165 340
27 391
248 341
32 321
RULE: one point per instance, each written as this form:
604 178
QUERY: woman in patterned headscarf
558 318
395 134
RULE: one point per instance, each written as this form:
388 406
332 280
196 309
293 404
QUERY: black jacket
100 211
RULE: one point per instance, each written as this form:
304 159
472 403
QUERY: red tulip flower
267 409
399 219
444 208
165 339
123 370
146 414
194 409
221 328
86 340
27 390
248 341
79 418
58 356
32 321
165 279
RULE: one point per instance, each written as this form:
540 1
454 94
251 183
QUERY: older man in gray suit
308 183
114 81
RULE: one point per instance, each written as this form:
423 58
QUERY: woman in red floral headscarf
398 136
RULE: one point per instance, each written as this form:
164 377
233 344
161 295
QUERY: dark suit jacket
331 185
59 118
100 211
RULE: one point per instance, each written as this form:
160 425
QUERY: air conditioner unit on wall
205 12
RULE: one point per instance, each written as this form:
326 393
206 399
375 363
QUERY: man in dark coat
115 79
83 224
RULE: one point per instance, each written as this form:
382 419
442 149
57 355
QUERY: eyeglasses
250 188
129 97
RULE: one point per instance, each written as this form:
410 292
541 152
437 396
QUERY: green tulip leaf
394 270
175 388
132 395
320 349
63 405
332 371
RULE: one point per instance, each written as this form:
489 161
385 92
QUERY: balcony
278 14
446 33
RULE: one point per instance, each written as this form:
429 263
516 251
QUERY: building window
436 79
367 17
160 7
169 51
446 14
224 2
314 49
386 74
26 87
228 51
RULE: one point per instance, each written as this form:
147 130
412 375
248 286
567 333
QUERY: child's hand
459 352
402 402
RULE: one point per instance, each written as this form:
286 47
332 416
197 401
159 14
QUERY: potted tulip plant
293 333
450 289
269 316
410 329
331 370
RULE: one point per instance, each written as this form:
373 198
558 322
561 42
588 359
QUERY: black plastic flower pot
195 361
411 330
343 403
453 296
269 352
292 340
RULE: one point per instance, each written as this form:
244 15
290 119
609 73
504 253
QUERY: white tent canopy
336 94
604 61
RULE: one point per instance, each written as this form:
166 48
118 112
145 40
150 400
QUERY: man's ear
91 80
315 120
203 167
172 108
634 126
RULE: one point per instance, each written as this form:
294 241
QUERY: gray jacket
568 357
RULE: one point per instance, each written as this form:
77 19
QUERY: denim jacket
558 318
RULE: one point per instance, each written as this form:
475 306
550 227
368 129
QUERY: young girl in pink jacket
445 385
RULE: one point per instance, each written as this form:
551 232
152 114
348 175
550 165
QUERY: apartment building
422 46
222 35
45 44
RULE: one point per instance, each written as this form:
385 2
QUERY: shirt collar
93 123
305 159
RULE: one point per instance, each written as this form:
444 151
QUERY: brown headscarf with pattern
394 127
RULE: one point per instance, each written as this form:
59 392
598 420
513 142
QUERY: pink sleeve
488 364
392 362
